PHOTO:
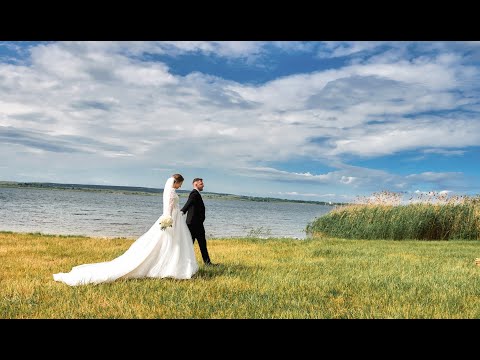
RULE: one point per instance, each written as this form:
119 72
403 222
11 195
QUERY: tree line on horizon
139 189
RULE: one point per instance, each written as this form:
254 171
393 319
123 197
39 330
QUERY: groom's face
198 185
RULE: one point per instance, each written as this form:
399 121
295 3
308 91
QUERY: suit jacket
195 208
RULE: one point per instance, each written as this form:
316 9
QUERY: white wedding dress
156 254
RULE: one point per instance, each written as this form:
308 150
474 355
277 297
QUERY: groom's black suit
195 209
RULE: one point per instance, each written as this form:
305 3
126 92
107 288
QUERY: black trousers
198 232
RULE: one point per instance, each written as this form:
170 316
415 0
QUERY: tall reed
431 216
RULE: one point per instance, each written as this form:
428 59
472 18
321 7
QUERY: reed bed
386 215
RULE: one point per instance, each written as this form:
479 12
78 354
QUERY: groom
195 218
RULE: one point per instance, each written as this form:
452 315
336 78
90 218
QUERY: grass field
256 278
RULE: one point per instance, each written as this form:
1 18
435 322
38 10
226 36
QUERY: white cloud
332 49
445 152
405 134
104 100
145 74
430 176
227 49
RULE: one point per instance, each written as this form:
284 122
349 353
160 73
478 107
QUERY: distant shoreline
131 190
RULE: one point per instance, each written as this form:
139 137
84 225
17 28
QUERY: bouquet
165 221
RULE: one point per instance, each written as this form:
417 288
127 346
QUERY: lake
110 214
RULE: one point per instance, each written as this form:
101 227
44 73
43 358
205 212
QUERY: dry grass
274 278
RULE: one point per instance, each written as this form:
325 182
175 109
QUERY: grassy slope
277 278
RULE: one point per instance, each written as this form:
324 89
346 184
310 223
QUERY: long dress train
156 254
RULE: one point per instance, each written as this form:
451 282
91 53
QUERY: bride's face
177 185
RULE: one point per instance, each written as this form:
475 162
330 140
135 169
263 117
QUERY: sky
317 120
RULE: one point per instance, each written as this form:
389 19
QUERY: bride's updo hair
178 178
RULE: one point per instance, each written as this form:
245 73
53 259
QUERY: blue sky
323 121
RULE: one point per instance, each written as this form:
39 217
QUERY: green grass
256 278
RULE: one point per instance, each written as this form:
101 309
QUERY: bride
158 253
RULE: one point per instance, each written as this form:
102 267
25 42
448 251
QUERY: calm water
100 214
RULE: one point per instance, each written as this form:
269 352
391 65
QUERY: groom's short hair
196 179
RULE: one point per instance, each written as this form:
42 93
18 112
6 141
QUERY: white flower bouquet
165 221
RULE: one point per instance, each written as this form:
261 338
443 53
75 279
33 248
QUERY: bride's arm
168 205
171 201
